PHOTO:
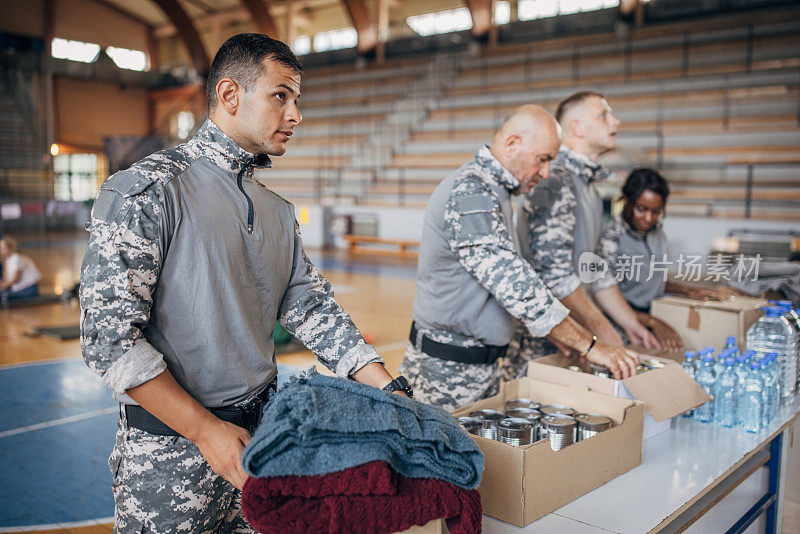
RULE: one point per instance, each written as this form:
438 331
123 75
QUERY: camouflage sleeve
309 311
549 213
119 273
480 238
608 250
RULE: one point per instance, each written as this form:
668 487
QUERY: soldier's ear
576 128
228 95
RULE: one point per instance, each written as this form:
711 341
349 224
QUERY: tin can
470 424
589 424
514 431
532 416
559 430
488 419
601 371
557 409
522 403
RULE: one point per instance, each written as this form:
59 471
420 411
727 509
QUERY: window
452 20
74 50
538 9
335 39
502 13
301 45
75 176
127 59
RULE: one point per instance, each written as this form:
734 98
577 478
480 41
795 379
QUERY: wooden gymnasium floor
57 420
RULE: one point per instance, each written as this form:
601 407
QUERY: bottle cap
772 354
689 354
708 358
755 366
772 311
731 340
741 358
729 362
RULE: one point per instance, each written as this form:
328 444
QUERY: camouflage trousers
448 384
523 348
162 484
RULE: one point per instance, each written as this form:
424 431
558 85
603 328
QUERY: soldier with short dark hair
190 263
472 282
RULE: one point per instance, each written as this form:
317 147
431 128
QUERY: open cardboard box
437 526
702 324
522 484
667 391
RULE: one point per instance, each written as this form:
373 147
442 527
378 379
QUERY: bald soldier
472 282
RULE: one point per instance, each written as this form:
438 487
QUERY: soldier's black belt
247 416
443 351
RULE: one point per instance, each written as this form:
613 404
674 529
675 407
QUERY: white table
684 473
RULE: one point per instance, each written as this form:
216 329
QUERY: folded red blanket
369 498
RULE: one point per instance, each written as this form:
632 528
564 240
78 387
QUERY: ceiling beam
188 33
481 13
367 30
263 21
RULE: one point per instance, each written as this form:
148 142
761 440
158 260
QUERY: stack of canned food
525 421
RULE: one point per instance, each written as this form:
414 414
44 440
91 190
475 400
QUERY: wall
23 18
89 111
92 22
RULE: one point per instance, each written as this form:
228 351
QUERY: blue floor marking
63 389
60 473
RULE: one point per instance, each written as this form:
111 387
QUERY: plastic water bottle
719 365
742 369
773 333
689 368
706 378
792 316
725 396
730 344
772 396
751 412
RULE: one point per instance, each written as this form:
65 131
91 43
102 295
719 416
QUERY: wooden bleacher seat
359 244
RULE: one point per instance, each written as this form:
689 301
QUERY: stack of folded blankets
333 455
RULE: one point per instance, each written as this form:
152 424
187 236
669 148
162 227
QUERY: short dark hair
241 58
572 101
639 181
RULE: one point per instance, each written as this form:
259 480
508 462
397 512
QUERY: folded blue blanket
318 424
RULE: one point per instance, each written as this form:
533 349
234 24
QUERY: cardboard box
522 484
702 324
666 392
437 526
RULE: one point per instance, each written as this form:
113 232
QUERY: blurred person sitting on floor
20 275
636 237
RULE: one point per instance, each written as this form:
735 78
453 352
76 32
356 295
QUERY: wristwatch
399 384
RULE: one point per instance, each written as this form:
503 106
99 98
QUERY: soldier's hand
638 334
222 444
620 361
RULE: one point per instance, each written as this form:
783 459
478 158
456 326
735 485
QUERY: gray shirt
637 262
471 279
190 262
561 219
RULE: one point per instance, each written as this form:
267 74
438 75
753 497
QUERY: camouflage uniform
190 262
631 257
472 283
560 219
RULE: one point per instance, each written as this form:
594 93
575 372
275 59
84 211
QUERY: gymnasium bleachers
713 104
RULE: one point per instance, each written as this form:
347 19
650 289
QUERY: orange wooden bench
403 246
